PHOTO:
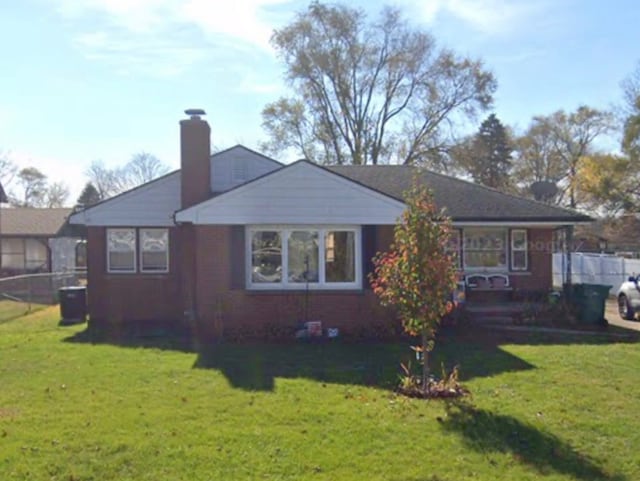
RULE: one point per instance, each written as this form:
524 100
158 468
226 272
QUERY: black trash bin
73 304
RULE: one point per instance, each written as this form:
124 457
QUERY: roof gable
238 165
151 204
300 193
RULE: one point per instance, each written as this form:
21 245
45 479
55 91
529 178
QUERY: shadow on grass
254 366
487 432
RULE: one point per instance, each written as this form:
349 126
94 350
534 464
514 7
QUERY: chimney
195 163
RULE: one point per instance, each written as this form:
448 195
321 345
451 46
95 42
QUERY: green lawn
10 309
73 410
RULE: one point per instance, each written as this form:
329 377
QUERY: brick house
237 242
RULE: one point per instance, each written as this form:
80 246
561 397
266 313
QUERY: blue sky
104 79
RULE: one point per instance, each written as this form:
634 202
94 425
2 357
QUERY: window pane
266 257
121 245
339 257
485 248
303 256
121 261
519 239
484 259
154 250
81 255
519 259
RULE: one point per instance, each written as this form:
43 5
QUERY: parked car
629 299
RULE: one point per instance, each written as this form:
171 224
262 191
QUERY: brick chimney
195 164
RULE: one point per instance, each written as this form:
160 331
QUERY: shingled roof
30 222
464 201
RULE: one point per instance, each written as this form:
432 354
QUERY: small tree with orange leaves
418 274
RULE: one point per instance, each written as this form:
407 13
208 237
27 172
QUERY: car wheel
625 309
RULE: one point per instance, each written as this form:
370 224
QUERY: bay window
300 257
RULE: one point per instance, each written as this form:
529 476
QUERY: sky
89 80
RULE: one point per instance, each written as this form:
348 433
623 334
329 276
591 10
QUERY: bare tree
56 194
108 182
142 168
8 169
368 93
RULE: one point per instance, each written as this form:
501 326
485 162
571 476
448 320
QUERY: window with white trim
154 250
300 257
121 250
519 255
485 248
131 250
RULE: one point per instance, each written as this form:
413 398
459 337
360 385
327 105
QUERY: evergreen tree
88 196
491 151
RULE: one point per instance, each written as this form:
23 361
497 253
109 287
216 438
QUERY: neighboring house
33 240
237 242
614 235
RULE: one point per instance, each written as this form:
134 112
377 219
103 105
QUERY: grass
75 410
10 309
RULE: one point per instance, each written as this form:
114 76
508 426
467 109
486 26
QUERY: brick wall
117 298
225 310
539 275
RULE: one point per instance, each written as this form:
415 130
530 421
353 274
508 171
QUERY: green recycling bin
591 299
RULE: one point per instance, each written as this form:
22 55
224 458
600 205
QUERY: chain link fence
22 294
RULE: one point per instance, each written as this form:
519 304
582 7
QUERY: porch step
492 319
494 313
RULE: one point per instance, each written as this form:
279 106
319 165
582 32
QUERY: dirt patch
9 413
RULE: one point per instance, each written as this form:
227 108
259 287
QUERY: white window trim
525 250
284 231
135 252
505 250
139 247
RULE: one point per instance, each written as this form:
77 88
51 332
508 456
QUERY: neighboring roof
31 222
464 201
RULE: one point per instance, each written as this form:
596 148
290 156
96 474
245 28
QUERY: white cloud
165 37
486 16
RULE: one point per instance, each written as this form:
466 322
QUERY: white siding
152 204
237 165
301 193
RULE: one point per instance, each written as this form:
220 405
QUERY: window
339 256
121 250
519 250
485 249
303 257
266 257
154 250
126 245
81 255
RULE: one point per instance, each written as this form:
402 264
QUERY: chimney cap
195 113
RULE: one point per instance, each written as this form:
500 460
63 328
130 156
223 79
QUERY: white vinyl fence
594 269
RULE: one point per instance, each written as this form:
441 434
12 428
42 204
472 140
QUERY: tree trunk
425 362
